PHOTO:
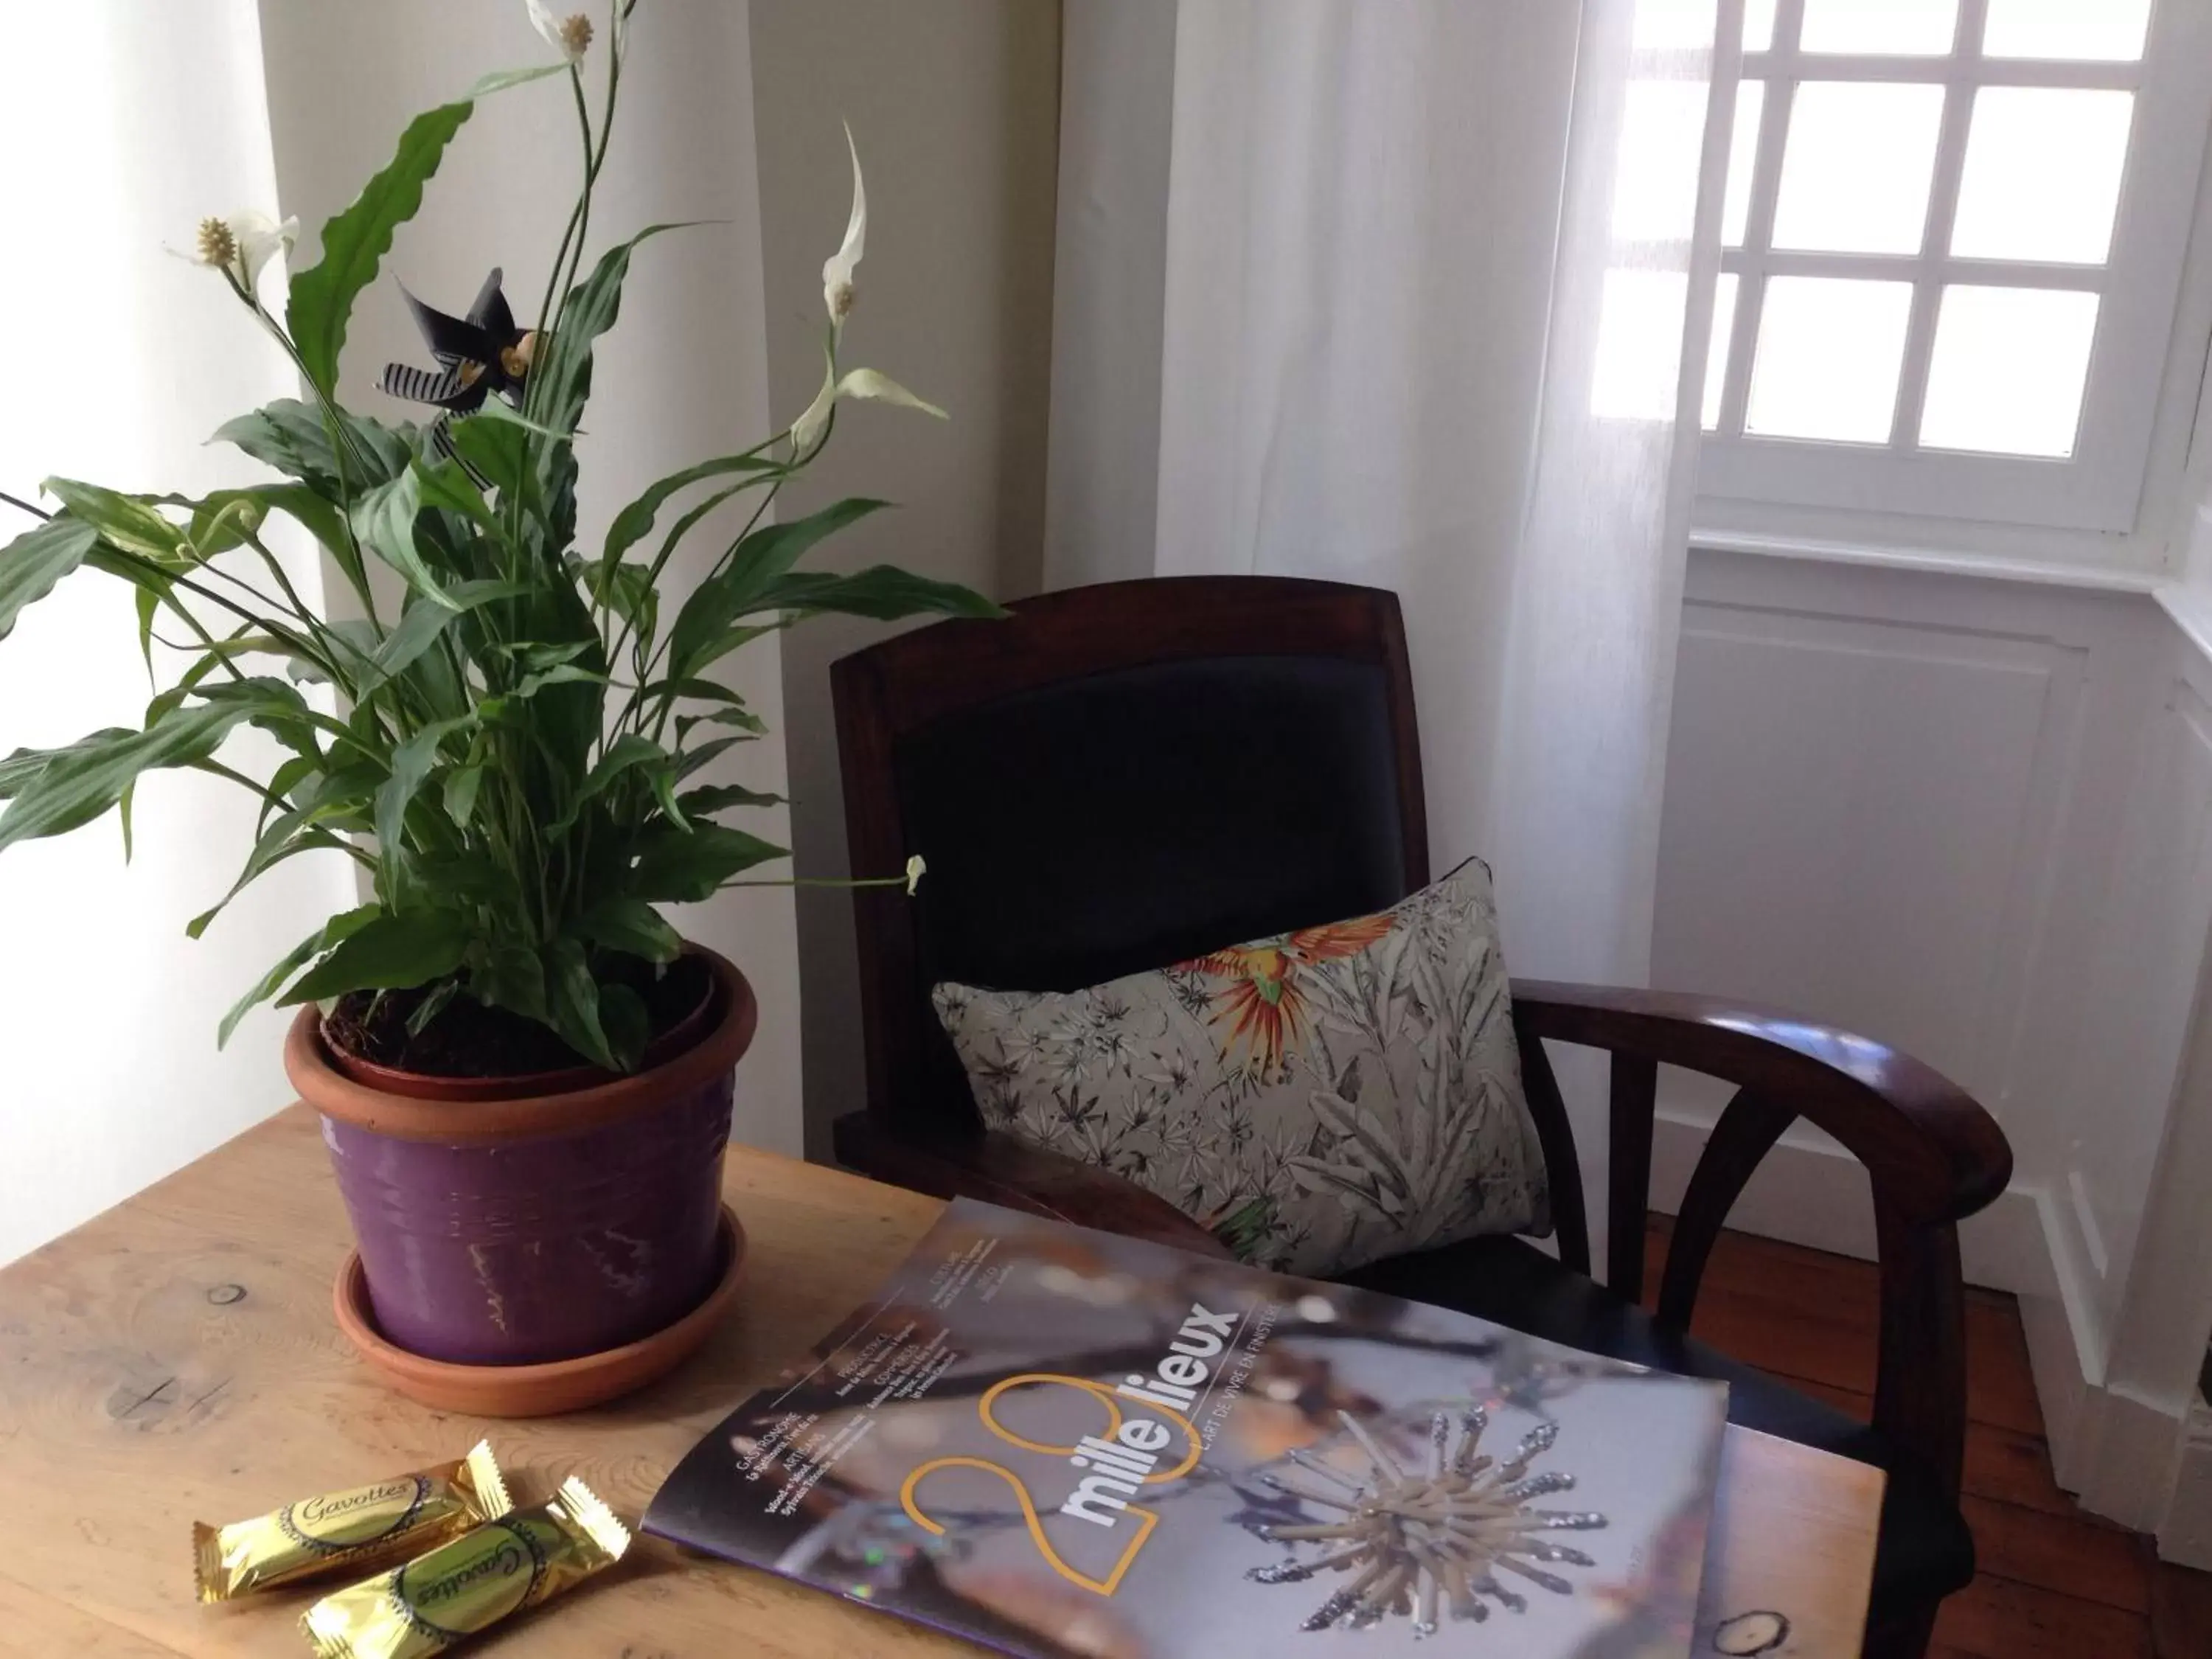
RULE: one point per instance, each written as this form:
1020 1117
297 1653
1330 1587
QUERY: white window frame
2100 487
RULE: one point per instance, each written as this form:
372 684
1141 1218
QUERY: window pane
1638 370
1856 168
2042 175
1829 349
1717 354
2009 370
1743 151
2108 31
1907 28
1759 25
1655 189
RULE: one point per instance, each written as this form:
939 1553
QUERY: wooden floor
2054 1583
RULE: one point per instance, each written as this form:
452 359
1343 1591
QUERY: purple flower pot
541 1225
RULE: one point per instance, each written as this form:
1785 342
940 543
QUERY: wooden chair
1130 774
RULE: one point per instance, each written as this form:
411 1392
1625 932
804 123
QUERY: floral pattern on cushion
1319 1100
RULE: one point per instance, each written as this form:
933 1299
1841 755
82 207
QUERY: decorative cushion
1322 1099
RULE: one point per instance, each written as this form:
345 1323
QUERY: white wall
955 108
1970 817
682 378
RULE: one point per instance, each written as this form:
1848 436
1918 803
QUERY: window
1954 237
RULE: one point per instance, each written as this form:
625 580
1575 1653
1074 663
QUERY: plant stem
846 882
18 502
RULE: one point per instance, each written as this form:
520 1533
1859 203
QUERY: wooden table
175 1359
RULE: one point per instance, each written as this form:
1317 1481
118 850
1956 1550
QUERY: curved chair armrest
1935 1154
1002 1170
1932 1153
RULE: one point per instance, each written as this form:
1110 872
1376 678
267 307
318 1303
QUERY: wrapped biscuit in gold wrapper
472 1583
356 1531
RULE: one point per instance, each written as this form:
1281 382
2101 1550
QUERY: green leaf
500 80
147 603
631 924
323 520
460 795
511 976
737 715
122 520
501 412
692 759
674 867
276 709
567 673
79 784
883 591
387 952
19 768
431 1005
332 932
572 998
290 435
355 241
662 779
626 751
625 589
283 782
719 798
32 563
287 434
643 602
500 452
704 690
412 762
628 1026
221 522
465 878
448 485
731 640
344 798
292 834
735 591
385 518
564 375
632 523
698 510
421 627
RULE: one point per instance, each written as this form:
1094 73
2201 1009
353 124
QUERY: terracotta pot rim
308 1062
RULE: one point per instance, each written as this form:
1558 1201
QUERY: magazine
1058 1442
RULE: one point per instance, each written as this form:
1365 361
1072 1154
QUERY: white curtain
118 127
122 122
1415 294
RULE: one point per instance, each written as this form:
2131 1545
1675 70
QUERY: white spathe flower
915 870
260 238
570 36
837 269
865 383
243 244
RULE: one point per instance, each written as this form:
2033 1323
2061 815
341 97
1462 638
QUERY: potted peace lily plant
526 1076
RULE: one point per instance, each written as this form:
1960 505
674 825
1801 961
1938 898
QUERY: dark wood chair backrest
1112 779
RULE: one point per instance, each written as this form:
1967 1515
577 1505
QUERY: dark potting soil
468 1039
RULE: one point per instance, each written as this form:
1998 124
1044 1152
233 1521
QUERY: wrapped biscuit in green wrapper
472 1583
357 1530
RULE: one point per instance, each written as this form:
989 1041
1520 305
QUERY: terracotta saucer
556 1385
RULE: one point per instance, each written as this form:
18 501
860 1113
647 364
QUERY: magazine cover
1061 1441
